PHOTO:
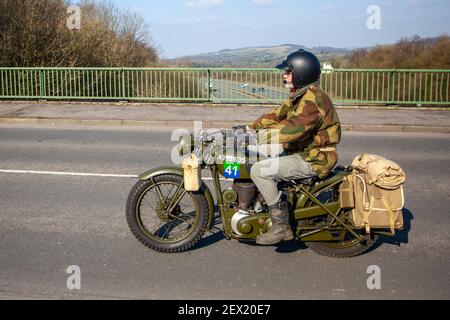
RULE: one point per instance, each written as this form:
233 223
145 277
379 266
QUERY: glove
243 128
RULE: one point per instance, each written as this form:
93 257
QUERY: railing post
209 85
393 72
42 83
122 73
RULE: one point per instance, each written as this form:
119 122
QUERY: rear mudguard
179 171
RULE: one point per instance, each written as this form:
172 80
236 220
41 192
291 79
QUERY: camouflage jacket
306 124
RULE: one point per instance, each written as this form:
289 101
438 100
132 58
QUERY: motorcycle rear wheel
148 202
347 248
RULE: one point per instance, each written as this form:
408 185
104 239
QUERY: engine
246 192
244 197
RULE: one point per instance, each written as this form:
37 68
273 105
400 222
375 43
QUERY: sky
184 27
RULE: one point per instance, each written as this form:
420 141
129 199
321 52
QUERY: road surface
51 222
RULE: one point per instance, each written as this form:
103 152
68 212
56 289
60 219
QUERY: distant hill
268 56
407 53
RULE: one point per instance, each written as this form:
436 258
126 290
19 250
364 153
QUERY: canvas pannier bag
380 171
374 192
347 193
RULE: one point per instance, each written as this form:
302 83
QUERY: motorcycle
167 218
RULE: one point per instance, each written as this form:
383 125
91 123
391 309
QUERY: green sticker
232 170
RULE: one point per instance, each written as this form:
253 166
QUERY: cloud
204 3
262 2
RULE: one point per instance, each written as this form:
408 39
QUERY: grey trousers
267 173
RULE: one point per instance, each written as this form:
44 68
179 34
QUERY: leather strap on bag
365 193
367 204
393 214
367 215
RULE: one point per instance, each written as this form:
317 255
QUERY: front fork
226 223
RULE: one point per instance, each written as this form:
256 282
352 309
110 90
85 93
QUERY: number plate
232 170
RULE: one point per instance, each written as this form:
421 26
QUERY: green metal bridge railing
219 85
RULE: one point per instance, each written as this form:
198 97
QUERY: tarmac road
50 222
226 90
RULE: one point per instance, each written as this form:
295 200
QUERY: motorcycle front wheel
158 223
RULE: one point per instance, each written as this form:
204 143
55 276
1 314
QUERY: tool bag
192 175
374 193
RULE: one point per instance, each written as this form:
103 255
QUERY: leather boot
280 230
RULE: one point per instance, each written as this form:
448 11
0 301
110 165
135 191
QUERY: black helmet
305 67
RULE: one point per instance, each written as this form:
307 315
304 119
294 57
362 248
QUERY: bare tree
408 53
34 33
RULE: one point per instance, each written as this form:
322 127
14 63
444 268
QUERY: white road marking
69 173
82 174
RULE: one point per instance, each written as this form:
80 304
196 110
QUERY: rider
308 127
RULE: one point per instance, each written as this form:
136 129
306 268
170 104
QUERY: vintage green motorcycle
165 217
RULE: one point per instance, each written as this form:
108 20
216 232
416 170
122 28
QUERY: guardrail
219 85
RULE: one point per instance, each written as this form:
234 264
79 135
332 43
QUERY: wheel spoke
170 192
149 204
175 200
175 217
158 190
167 229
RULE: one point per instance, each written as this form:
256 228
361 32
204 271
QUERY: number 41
232 170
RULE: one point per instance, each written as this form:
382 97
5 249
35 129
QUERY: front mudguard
179 171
